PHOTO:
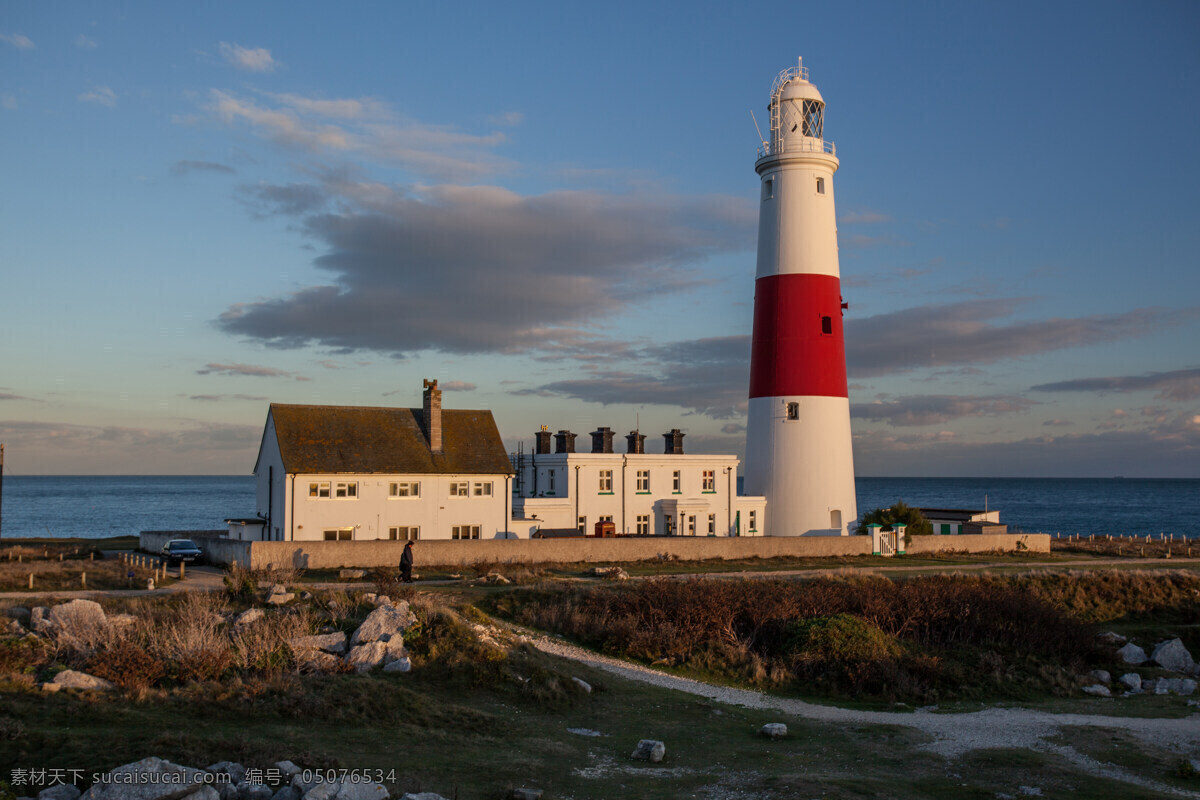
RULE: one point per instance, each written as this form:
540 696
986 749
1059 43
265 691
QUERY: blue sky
552 210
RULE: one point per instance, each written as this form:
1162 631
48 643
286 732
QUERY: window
464 532
346 489
606 518
827 326
669 524
550 485
691 525
606 481
643 524
676 482
712 524
643 481
583 525
768 190
458 489
793 411
483 489
820 186
404 534
339 535
318 489
710 480
412 489
753 520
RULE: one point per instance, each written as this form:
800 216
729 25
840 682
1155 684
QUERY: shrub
128 665
901 512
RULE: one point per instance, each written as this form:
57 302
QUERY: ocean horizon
97 506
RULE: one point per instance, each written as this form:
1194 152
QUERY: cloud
863 218
936 409
1057 423
8 101
101 95
481 269
257 59
707 376
457 386
508 119
733 427
184 167
85 42
11 396
190 447
17 40
1180 385
213 398
964 333
365 127
243 369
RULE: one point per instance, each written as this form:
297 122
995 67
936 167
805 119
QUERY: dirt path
951 734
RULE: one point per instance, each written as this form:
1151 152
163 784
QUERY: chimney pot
564 442
432 408
674 442
602 439
636 442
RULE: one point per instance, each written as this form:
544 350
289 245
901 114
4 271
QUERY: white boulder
1097 689
1131 681
1172 655
773 730
70 679
152 779
582 684
399 665
649 750
1132 654
383 623
328 642
248 617
63 791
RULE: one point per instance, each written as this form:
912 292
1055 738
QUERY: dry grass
1127 547
54 575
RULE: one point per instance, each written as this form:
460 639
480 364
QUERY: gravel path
951 734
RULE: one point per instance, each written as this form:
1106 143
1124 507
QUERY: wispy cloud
101 95
184 167
251 59
17 40
937 409
243 369
863 218
966 333
457 386
1180 385
215 398
85 42
366 127
508 119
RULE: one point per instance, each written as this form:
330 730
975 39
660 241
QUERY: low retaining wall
219 549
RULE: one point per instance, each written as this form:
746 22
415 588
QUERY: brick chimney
433 416
636 442
541 442
564 442
602 440
674 442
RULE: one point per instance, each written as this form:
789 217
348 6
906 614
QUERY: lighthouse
798 450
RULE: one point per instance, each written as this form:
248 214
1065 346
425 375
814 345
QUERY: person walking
406 563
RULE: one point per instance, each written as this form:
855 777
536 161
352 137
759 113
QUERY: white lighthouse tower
798 451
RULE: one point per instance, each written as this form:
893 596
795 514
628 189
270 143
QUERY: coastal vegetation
899 514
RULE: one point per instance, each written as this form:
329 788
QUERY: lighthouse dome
798 89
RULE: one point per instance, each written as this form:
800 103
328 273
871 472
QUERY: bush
901 513
128 665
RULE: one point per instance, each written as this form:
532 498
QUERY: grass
67 575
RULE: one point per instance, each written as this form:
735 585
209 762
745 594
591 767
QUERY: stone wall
330 555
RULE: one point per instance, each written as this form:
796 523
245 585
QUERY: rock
361 791
582 684
280 599
1131 681
584 732
399 665
773 730
383 600
319 661
1132 654
63 791
228 791
20 613
152 779
248 617
617 574
367 656
70 679
1098 689
352 574
254 791
422 796
286 793
234 770
122 621
15 628
37 619
80 622
1187 687
306 596
649 750
301 785
330 643
496 578
526 794
1109 637
383 623
1172 655
288 769
1101 675
322 791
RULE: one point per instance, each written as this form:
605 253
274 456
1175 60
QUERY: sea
94 506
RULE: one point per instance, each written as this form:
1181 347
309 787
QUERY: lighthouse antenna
757 129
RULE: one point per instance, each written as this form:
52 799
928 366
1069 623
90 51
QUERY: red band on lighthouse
798 349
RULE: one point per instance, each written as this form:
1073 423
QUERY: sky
552 209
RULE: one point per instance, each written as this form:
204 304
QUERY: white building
955 521
668 494
348 473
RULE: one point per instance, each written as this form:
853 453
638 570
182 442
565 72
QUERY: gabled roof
353 439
